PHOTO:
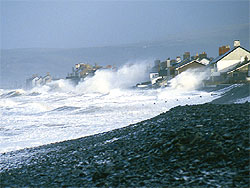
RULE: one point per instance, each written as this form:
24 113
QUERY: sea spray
60 111
106 80
28 121
189 80
12 93
183 85
61 85
103 81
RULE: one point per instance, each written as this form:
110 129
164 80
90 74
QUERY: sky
75 24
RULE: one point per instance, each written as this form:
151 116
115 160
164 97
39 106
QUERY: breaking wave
13 93
60 111
61 85
106 80
189 80
103 82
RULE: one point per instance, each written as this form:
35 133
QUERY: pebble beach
203 145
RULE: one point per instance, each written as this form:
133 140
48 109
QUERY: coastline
122 94
241 91
197 145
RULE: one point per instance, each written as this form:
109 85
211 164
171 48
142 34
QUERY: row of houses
231 66
83 70
36 80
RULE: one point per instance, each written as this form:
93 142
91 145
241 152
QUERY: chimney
186 55
236 43
223 49
178 59
168 62
157 62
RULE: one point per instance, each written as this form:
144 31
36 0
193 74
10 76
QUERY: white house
229 59
188 65
154 76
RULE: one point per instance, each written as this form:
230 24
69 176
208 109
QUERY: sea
60 111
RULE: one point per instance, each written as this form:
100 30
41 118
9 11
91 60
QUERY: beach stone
193 146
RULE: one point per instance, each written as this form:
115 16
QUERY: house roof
183 64
154 69
174 64
163 73
199 59
215 60
239 66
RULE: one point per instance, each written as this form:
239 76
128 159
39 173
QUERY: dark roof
174 64
183 63
241 64
199 59
215 60
154 69
163 73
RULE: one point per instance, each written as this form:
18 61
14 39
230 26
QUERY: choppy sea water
51 114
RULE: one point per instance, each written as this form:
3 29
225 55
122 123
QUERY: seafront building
231 66
231 58
239 73
83 70
163 72
36 80
223 49
194 64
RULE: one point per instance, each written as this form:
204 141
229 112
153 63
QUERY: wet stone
190 146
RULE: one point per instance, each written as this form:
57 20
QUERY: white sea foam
106 80
54 86
189 80
28 121
58 111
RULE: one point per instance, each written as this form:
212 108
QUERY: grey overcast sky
74 24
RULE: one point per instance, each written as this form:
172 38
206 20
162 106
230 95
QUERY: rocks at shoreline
191 146
238 92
